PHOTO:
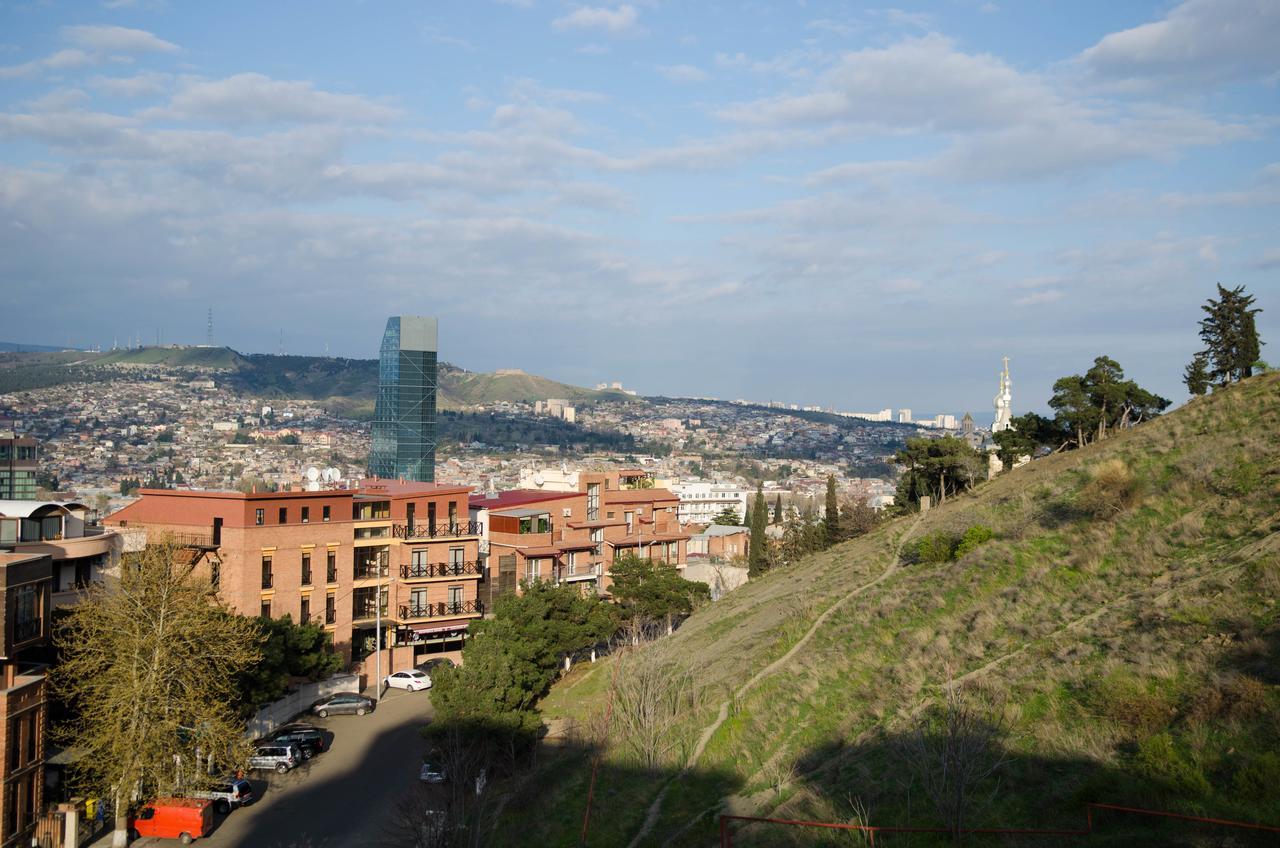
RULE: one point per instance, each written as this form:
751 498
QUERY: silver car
278 757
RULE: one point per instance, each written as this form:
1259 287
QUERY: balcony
441 609
441 570
455 530
371 572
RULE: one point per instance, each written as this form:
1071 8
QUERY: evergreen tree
831 523
757 556
1230 335
777 510
1196 376
727 517
1087 407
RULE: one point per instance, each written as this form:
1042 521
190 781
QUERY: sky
858 206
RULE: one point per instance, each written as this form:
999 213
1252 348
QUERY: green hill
1120 634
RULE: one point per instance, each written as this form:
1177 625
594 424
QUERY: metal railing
441 609
448 530
441 569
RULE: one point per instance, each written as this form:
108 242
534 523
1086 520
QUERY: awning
448 628
577 546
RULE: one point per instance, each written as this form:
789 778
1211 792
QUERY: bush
973 537
1158 760
1259 777
1129 702
935 548
1111 489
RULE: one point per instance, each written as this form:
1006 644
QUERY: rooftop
519 497
405 488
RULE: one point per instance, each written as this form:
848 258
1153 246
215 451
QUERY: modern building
404 426
81 550
701 501
904 416
19 462
391 557
25 606
720 543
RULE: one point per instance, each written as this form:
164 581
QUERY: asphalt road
341 798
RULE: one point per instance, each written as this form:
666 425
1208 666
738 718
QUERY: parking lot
341 798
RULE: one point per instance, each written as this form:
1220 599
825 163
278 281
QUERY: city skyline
810 203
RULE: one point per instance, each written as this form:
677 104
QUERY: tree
1230 335
777 510
728 517
1196 375
1090 405
1028 434
757 552
288 650
831 521
654 590
857 519
129 485
936 467
149 669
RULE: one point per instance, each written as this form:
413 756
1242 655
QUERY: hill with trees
1098 625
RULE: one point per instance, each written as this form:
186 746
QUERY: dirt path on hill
655 809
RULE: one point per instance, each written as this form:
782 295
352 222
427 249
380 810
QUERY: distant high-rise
404 425
18 466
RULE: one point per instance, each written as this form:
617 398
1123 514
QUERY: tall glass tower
404 424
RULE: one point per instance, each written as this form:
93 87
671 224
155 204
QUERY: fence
871 831
273 715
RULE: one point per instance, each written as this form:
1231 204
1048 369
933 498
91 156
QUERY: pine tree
1196 376
757 556
777 510
1230 335
831 523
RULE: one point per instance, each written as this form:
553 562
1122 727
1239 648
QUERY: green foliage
654 590
510 432
758 552
1230 335
941 546
976 535
288 651
777 510
831 520
728 517
1160 761
1259 777
937 468
1088 406
1029 434
129 485
165 437
1196 375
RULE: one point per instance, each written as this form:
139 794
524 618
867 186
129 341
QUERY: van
184 819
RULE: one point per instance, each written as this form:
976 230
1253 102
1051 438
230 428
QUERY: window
431 518
571 559
284 515
597 536
306 568
630 518
533 569
259 516
306 515
304 614
456 558
332 567
409 511
324 513
330 609
418 600
419 558
265 612
455 599
27 623
32 718
266 571
593 501
453 514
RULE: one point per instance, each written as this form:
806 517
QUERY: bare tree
149 666
648 699
952 750
461 810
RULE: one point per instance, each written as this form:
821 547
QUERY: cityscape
620 424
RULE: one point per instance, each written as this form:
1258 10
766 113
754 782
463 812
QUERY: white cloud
257 99
683 73
106 38
1199 41
59 61
139 85
1039 298
617 21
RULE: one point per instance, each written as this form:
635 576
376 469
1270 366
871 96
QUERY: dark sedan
344 702
310 740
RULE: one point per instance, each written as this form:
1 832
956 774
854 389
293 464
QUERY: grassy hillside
216 358
469 387
1121 630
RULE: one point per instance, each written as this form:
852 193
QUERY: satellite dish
313 474
333 475
313 486
537 479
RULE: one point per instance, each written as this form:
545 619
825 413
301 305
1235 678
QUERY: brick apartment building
25 591
404 553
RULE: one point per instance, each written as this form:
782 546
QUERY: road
341 798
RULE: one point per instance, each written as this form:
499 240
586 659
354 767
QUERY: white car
412 680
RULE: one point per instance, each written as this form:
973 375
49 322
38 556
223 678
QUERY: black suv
310 740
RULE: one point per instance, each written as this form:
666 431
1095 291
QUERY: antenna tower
208 333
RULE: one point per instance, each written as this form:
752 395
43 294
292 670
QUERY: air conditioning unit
568 512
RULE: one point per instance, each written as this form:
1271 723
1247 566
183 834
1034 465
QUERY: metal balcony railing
448 530
441 569
441 609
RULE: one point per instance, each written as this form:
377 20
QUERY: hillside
350 384
1124 639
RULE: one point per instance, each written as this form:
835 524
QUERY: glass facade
404 427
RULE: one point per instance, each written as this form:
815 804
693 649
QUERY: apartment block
19 462
82 551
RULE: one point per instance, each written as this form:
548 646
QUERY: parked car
185 819
431 773
436 662
227 796
413 680
278 757
310 740
344 702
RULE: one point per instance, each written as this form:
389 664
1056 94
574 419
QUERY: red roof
638 496
401 488
519 497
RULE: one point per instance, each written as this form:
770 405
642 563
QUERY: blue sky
837 203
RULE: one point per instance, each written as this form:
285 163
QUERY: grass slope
1135 658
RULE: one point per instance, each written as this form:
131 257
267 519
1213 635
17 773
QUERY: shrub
1159 760
1259 777
1111 489
973 537
935 548
1127 701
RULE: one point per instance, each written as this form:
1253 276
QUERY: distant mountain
19 347
350 385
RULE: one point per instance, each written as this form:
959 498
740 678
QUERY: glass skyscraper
404 424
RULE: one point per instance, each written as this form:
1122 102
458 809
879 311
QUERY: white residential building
702 500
